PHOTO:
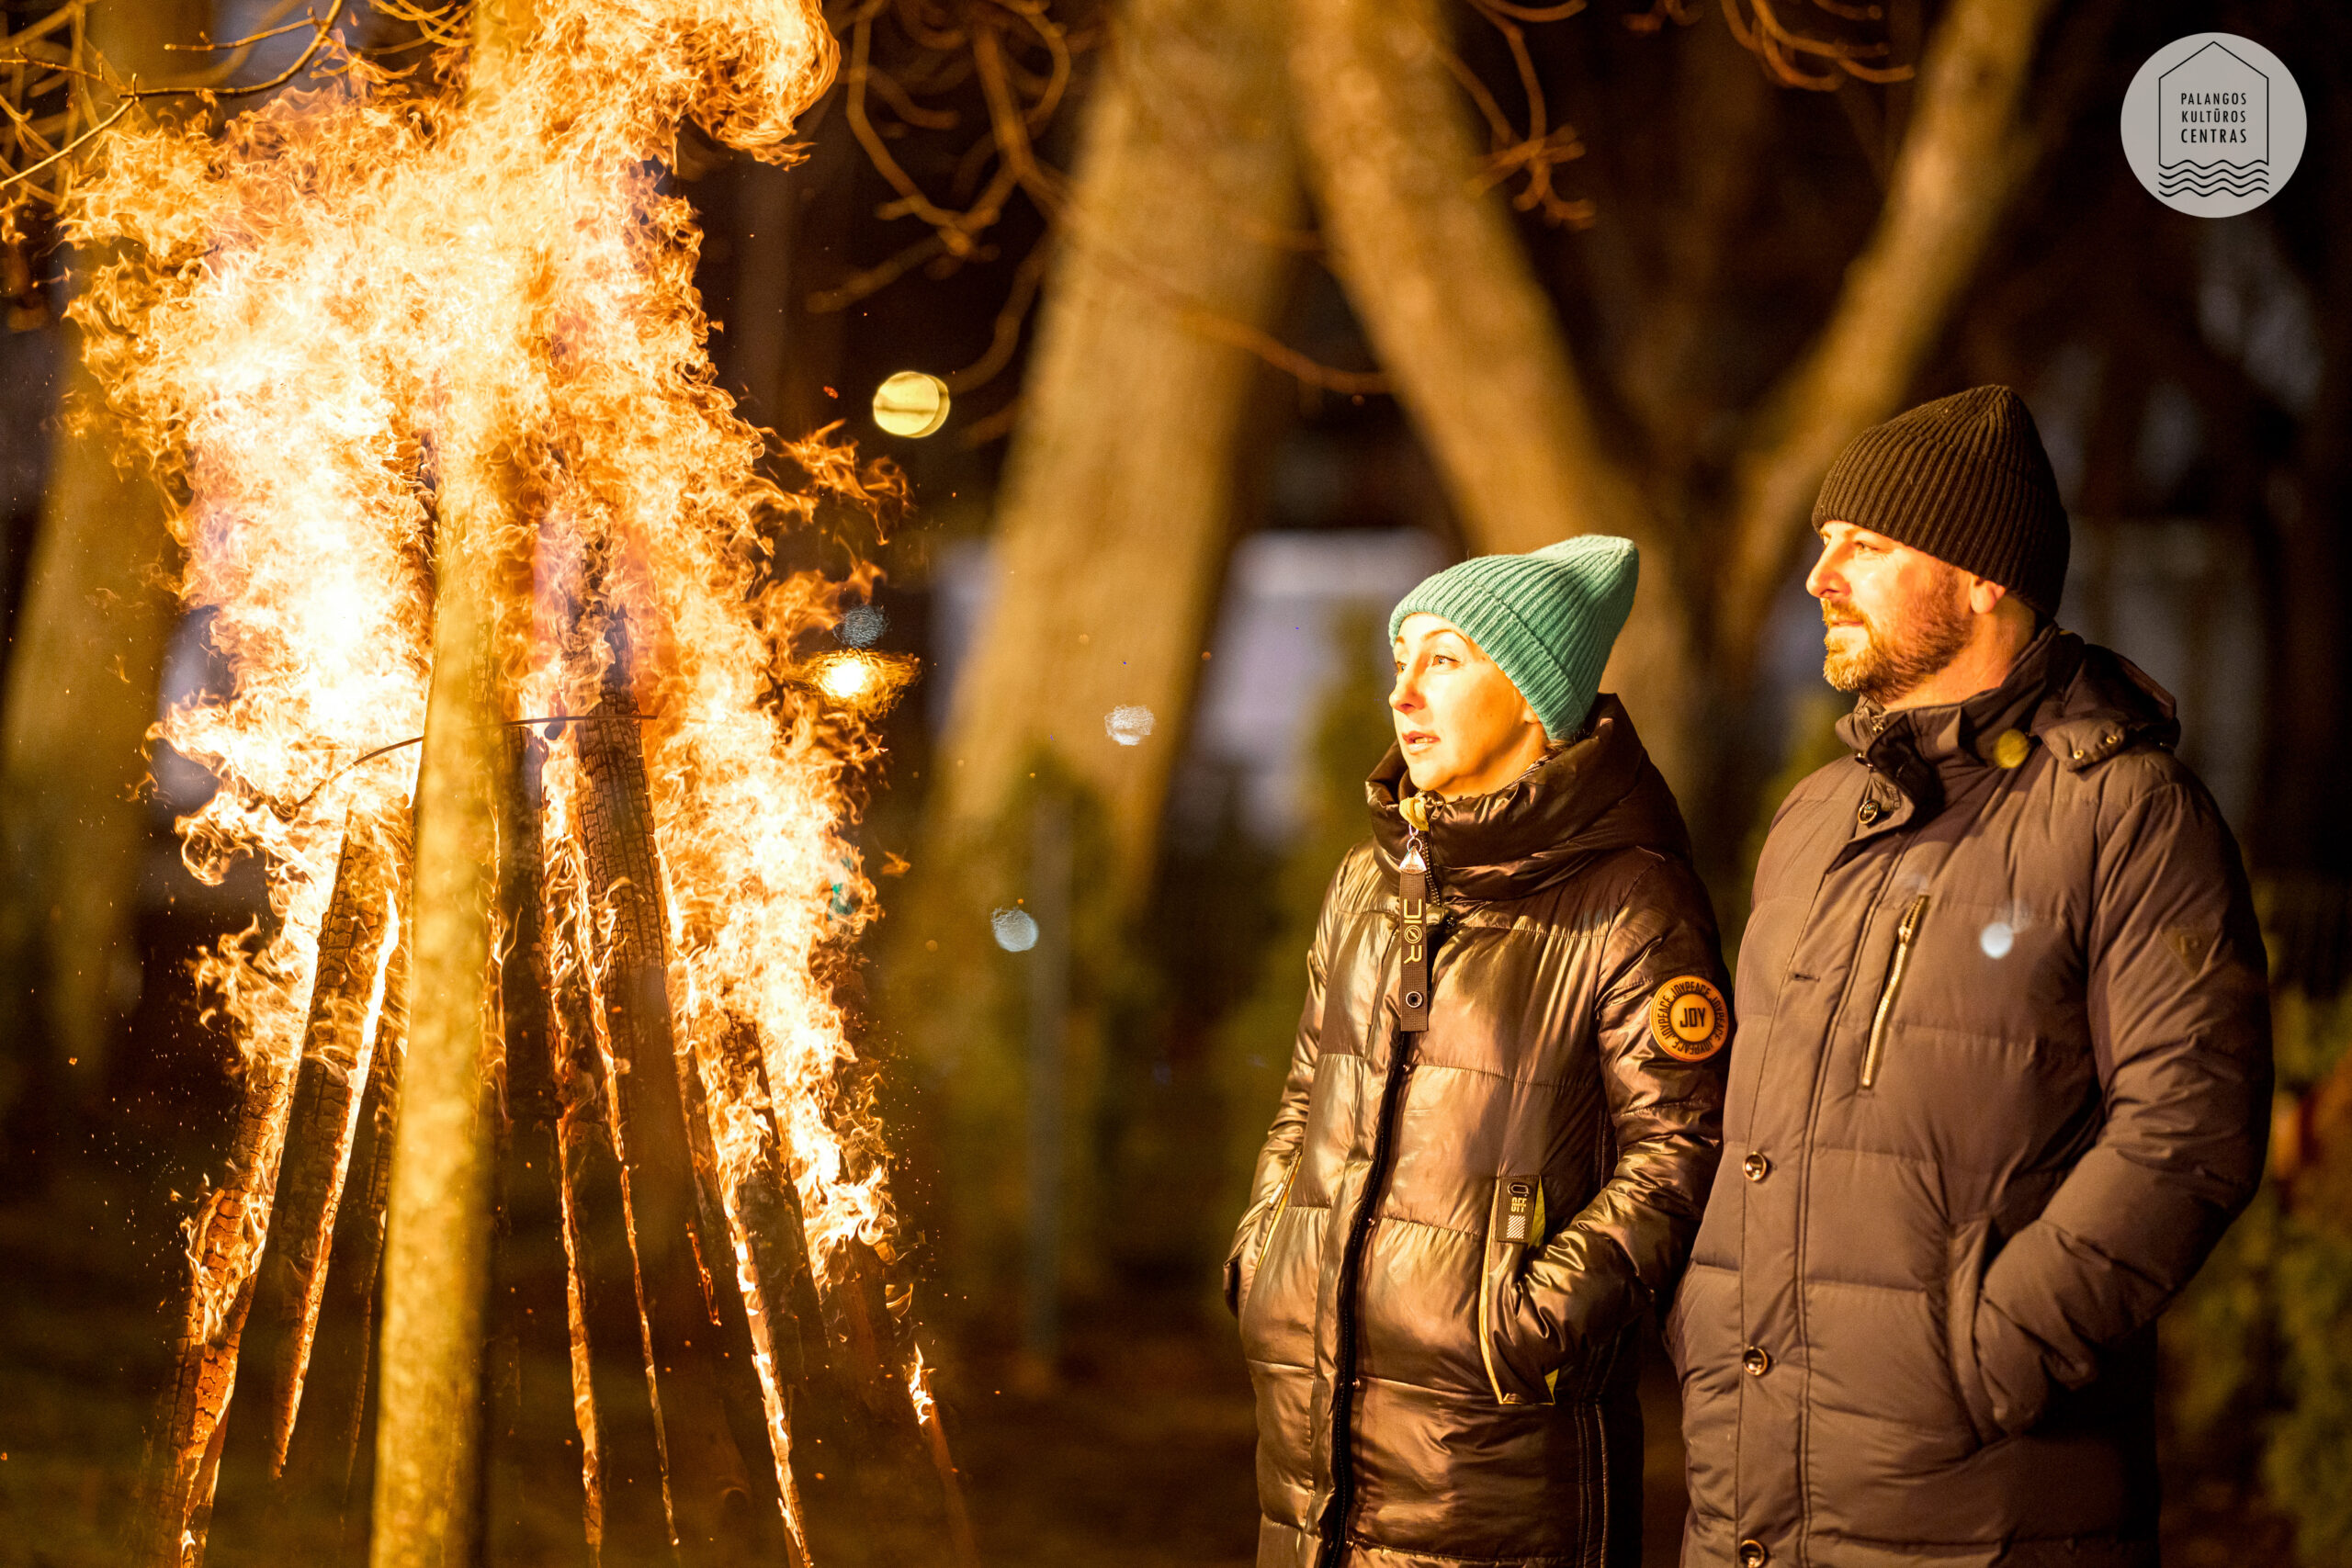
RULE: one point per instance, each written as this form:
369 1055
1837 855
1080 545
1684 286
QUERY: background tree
86 648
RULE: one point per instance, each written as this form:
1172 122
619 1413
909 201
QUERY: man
2004 1066
1502 1113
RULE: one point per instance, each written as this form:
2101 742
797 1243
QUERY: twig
1281 356
1535 153
27 173
245 42
1007 335
1780 46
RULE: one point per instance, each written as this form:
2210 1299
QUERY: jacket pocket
1514 1228
1897 966
1243 1266
1971 1249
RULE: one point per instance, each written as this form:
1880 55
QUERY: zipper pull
1906 933
1412 929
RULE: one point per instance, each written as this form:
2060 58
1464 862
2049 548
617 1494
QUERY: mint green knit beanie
1547 618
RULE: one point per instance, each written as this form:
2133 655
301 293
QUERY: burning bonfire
424 364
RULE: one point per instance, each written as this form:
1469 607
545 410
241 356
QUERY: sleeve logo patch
1689 1020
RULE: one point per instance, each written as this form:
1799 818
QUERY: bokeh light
1128 724
910 403
1016 930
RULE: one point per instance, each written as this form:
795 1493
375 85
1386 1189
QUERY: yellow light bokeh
911 403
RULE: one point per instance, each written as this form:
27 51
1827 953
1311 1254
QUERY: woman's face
1462 727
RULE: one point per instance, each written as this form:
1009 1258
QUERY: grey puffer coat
1453 1234
2003 1081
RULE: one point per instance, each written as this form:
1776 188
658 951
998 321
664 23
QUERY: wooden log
763 1222
266 1232
425 1512
586 1170
357 944
381 1116
530 1307
706 1489
225 1254
322 1457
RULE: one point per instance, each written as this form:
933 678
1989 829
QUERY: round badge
2213 125
1689 1020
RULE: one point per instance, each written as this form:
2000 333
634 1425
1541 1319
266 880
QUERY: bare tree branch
1117 511
1965 152
1437 271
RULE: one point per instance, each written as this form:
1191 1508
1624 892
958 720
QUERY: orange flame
366 295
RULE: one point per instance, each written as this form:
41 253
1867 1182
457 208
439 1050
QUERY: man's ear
1985 596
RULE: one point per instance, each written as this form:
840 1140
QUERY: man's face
1460 722
1893 616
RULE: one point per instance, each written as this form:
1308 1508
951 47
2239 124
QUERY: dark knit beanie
1965 480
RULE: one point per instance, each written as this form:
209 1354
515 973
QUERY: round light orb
1016 930
1128 724
1997 938
847 679
910 403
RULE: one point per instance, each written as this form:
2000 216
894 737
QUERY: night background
1253 312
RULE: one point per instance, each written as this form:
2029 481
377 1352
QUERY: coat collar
1599 792
2083 702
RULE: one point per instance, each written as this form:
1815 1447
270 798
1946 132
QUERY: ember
428 366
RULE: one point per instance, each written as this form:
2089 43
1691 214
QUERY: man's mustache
1837 611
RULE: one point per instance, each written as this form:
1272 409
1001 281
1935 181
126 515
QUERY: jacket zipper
1413 889
1343 1368
1904 934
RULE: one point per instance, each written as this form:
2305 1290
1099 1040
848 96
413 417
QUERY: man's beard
1895 660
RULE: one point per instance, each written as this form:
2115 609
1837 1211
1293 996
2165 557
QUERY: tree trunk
81 683
1959 166
1442 283
1116 517
1112 536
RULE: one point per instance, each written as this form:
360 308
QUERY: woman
1503 1111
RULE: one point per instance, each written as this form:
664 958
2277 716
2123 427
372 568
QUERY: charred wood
705 1484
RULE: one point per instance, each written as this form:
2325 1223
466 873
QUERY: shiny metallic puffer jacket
1454 1235
2003 1079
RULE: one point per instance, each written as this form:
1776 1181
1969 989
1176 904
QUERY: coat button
1754 1553
1756 1361
1756 1168
1868 813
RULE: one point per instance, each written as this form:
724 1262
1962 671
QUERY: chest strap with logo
1413 932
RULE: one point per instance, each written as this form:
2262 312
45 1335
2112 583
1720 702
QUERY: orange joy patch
1688 1019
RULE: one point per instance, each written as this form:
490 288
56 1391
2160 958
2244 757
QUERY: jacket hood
1599 792
2084 702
